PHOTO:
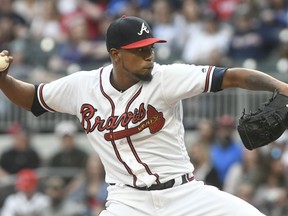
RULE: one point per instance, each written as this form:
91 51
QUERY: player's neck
121 83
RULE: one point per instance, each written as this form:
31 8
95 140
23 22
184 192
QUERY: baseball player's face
138 63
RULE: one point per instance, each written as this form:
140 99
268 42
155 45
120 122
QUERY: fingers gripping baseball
5 61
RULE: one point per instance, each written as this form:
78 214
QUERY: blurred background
50 39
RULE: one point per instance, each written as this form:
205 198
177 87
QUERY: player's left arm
252 80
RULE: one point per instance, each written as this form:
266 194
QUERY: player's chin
147 76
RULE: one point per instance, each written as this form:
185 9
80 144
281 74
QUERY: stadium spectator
19 24
247 41
225 151
69 155
46 22
87 10
117 8
98 50
272 20
248 172
204 169
271 195
58 204
14 33
280 147
21 155
28 9
189 23
27 200
205 131
78 49
75 49
223 8
166 25
89 188
246 191
211 42
279 11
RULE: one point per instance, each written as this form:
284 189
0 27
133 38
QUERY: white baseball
3 63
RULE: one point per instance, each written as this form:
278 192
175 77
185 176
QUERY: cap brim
143 43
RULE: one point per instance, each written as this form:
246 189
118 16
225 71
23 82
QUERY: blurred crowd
260 176
50 38
70 182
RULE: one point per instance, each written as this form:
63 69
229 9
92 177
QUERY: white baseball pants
190 199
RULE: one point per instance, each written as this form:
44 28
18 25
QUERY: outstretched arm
252 80
18 92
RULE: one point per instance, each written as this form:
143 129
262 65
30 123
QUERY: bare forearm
252 80
18 92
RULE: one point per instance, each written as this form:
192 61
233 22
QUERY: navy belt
169 184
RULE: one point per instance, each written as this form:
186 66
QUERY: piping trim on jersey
132 147
128 138
41 99
208 79
112 141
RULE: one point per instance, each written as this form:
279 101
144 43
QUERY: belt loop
185 179
189 178
178 181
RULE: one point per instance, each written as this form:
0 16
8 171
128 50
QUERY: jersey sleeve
58 96
37 109
181 81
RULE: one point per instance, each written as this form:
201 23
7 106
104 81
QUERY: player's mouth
149 67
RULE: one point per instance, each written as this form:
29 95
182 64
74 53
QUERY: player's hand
5 59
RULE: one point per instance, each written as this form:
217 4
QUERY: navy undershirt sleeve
217 79
36 108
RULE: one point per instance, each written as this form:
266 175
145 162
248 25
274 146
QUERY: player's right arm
18 92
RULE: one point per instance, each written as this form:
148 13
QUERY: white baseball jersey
138 134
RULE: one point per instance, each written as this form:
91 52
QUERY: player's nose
149 55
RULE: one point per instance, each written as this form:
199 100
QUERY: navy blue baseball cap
129 32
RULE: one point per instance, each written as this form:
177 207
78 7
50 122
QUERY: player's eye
144 49
140 49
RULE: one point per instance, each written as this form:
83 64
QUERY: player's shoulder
158 68
88 74
174 68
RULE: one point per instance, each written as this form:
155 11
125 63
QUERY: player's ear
115 54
